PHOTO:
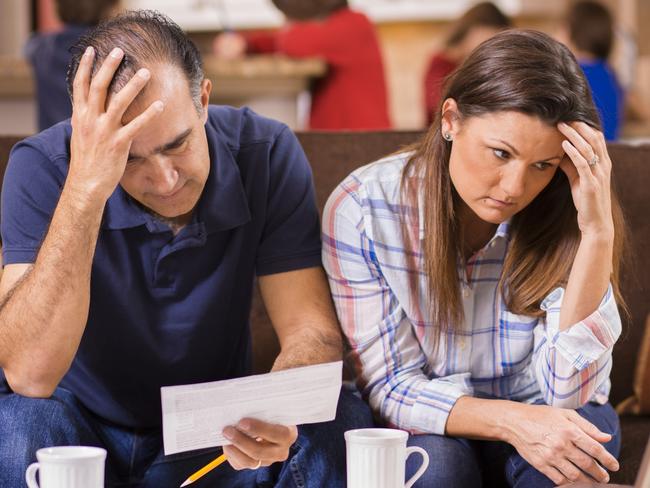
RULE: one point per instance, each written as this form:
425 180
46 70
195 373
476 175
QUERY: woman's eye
501 154
542 166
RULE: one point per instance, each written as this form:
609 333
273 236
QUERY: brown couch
334 155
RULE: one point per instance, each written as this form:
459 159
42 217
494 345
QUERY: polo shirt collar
223 204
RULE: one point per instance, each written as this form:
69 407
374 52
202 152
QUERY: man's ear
206 89
450 119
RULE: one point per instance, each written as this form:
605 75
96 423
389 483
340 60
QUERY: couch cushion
634 433
631 173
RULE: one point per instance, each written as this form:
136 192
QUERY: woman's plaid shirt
494 354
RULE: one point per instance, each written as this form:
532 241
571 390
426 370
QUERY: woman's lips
498 203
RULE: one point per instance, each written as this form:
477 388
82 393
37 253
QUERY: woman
476 25
472 275
352 95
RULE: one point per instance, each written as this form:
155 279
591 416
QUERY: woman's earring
447 136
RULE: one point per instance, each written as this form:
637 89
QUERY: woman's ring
594 160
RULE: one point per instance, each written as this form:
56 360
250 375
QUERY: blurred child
352 95
49 56
589 33
476 25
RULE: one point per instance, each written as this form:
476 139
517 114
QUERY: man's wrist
83 197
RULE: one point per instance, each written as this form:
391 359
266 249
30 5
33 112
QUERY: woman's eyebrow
516 153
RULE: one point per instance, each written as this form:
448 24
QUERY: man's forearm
310 347
44 316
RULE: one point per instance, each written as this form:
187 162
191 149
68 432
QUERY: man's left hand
256 443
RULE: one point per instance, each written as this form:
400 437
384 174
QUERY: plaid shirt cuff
431 409
588 340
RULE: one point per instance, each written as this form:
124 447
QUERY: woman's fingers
594 138
570 471
580 163
554 475
577 140
590 143
598 452
588 465
589 428
591 442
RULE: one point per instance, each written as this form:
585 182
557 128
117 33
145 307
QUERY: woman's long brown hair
525 72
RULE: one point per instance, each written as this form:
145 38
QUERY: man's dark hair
84 12
591 28
146 37
308 9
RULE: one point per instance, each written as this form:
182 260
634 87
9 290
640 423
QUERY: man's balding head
147 38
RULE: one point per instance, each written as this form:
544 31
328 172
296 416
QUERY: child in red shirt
476 25
352 96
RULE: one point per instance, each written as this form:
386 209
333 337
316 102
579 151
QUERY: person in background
589 33
476 25
476 275
352 95
49 55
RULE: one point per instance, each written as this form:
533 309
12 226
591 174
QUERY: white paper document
194 416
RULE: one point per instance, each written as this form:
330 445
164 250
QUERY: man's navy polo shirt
164 309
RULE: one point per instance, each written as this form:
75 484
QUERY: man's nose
164 176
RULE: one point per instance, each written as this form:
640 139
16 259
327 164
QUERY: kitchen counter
236 79
275 86
15 79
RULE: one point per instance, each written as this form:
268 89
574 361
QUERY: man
131 235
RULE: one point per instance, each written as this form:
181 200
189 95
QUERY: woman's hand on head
560 444
588 168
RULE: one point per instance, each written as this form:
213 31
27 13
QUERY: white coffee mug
68 467
376 458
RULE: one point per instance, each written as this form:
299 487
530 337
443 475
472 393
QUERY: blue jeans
135 457
461 463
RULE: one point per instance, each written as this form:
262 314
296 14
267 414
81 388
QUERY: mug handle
420 472
30 475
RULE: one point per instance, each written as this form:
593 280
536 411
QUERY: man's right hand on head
100 142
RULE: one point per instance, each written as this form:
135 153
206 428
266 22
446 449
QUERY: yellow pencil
204 470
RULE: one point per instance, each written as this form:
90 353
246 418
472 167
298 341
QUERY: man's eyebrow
516 153
178 140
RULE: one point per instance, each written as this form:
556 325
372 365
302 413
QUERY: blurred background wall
409 31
